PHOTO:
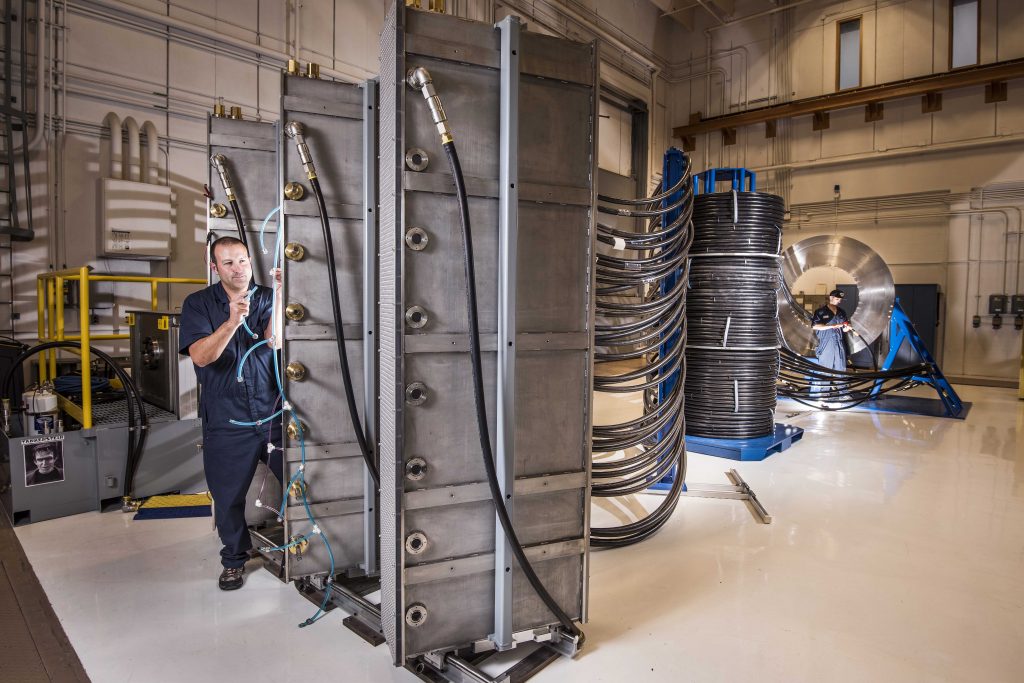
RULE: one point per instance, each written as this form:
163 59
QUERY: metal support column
370 318
508 235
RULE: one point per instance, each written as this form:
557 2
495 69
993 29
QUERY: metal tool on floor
739 490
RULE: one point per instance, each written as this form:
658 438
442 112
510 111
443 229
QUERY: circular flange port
416 159
416 317
415 469
416 239
416 543
416 394
416 615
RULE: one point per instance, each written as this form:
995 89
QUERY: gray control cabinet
522 109
339 121
163 377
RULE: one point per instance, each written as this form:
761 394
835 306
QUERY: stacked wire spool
732 348
639 342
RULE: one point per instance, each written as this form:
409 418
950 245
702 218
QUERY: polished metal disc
875 289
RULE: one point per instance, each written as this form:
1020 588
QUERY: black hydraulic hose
481 408
135 448
339 333
239 224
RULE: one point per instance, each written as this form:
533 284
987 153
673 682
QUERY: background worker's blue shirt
825 316
222 396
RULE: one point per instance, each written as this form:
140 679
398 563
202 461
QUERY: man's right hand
239 308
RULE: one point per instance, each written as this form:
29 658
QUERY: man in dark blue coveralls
829 323
214 336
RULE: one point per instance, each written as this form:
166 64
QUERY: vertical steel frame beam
508 236
370 318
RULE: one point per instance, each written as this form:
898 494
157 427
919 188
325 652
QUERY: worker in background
829 323
219 324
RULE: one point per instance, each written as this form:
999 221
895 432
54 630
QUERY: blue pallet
746 449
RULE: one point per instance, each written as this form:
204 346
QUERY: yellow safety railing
50 297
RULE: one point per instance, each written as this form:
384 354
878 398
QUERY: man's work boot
231 578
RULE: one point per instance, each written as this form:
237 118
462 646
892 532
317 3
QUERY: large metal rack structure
525 107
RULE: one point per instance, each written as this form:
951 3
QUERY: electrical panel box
136 219
1017 304
997 304
163 377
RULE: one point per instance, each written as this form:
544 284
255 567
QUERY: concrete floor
896 554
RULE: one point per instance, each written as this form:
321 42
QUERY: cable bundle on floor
732 356
804 381
639 338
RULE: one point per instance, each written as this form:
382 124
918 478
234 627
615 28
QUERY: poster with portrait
44 459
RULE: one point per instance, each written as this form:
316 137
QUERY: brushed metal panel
344 533
320 398
443 429
435 278
550 427
452 530
306 280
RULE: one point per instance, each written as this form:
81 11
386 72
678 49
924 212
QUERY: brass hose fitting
419 79
218 161
295 131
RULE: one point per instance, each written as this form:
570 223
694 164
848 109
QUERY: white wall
791 55
117 61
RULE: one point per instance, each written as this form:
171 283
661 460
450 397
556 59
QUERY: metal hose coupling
295 130
419 78
225 179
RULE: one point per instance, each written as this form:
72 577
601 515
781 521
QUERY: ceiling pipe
757 15
215 36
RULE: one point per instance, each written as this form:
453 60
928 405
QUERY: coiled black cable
642 320
339 333
738 222
136 446
730 394
483 430
732 315
806 382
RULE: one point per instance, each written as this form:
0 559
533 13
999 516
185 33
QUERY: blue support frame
707 181
901 330
784 436
673 167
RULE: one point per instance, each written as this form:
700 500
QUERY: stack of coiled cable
732 349
640 340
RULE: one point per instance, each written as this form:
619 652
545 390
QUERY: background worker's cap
837 292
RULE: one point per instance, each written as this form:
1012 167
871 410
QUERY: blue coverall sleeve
195 324
263 300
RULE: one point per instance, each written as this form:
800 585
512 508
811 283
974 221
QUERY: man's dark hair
225 241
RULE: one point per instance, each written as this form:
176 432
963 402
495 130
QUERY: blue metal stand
901 331
673 168
707 181
747 449
741 180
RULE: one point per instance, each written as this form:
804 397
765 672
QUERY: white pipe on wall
151 162
41 84
892 153
115 164
133 156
